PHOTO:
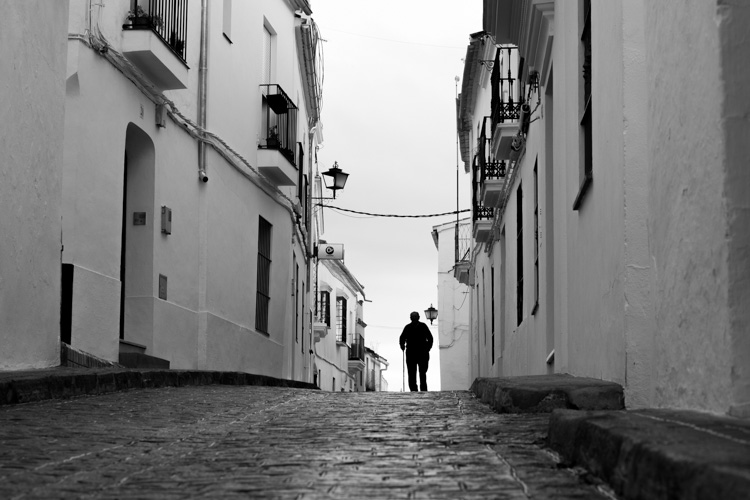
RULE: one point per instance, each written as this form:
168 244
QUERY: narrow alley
271 442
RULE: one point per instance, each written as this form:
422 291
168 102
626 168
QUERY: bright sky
389 120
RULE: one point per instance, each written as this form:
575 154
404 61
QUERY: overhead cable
394 215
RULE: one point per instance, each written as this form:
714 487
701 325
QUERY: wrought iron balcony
482 223
357 349
166 18
491 171
507 100
482 212
482 215
280 121
507 90
277 158
155 41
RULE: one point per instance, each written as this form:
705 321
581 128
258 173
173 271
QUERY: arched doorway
138 230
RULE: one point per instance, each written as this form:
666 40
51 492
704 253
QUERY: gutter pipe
202 84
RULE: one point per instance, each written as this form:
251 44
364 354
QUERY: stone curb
545 393
61 383
657 454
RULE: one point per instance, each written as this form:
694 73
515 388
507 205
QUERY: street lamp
338 177
431 313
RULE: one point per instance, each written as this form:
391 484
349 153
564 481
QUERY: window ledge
585 185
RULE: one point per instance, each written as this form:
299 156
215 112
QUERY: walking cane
403 371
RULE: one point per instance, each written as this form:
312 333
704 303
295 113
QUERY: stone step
657 454
545 393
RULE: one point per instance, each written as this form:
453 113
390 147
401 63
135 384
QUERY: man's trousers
417 361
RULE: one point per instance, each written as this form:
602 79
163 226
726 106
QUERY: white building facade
375 366
339 336
598 198
189 127
454 304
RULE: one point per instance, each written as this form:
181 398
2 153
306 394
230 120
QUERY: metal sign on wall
331 251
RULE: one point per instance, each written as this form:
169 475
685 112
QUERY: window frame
536 238
341 319
586 166
519 255
263 278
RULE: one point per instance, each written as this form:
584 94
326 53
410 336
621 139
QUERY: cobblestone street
240 442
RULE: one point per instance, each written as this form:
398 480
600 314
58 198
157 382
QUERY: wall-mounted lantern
431 313
338 178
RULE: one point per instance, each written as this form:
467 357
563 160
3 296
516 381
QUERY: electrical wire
393 215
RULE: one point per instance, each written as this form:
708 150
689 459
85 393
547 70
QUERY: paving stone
240 441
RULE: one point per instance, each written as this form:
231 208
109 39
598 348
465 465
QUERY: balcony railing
489 167
357 349
493 170
507 90
166 18
479 211
483 213
279 122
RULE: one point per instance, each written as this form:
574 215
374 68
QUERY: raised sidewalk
62 382
642 454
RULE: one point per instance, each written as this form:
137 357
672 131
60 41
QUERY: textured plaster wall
688 226
735 50
31 136
526 346
100 106
639 319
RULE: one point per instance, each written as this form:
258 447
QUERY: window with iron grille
492 308
324 307
341 319
536 238
263 294
519 255
297 294
484 307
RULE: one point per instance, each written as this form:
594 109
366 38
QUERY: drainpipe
202 210
310 250
202 79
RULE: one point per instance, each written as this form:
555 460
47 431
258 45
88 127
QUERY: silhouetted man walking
418 341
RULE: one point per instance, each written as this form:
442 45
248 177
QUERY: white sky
389 120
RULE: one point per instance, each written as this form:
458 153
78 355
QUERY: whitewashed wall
210 258
453 307
31 137
698 149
